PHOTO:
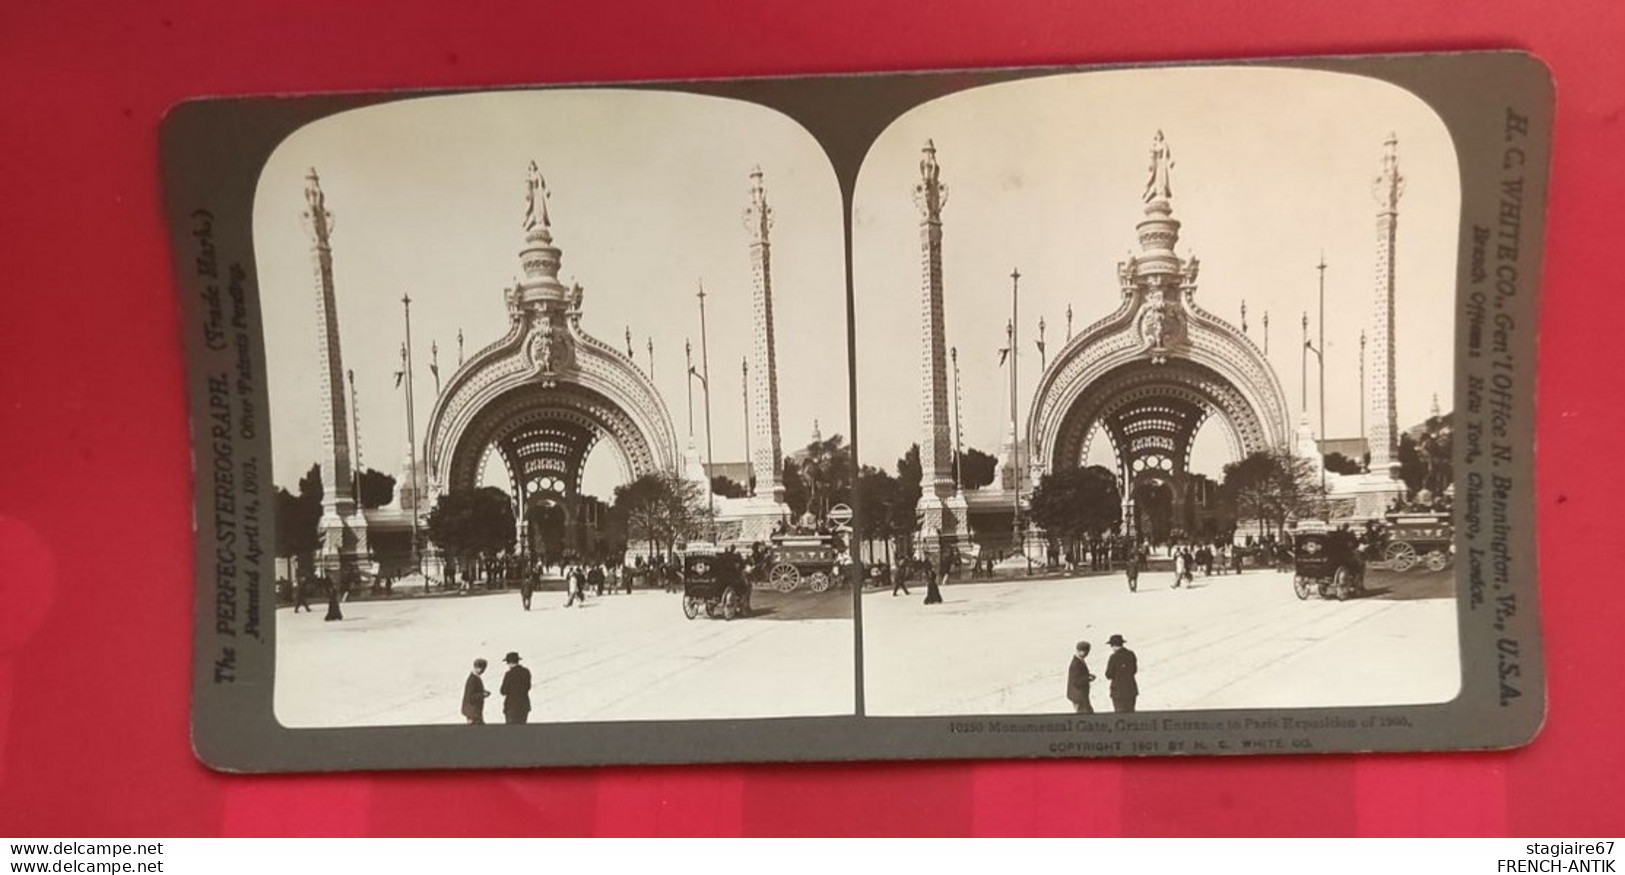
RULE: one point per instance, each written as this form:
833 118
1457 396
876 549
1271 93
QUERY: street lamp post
411 435
1320 350
705 383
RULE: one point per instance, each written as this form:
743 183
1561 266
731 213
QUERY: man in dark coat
515 691
527 587
475 694
1078 679
1120 670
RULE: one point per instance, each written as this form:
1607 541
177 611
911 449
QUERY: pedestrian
301 592
1235 559
527 588
475 694
1133 570
1078 679
1120 670
515 691
933 596
898 581
1181 567
333 610
573 582
595 579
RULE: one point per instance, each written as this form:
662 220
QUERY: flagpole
744 391
411 434
355 439
688 361
1015 430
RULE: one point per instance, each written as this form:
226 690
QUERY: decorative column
767 458
941 506
342 528
1383 424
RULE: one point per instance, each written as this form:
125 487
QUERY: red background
95 507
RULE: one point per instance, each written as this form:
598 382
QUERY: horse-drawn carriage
1327 562
714 583
1418 539
791 559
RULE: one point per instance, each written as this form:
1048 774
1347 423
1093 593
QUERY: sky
1271 168
647 195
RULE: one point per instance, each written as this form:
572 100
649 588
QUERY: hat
513 657
1115 641
480 663
1083 646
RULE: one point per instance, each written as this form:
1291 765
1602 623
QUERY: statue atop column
1157 187
535 207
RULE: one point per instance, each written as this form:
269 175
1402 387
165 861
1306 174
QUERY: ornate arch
547 391
1158 366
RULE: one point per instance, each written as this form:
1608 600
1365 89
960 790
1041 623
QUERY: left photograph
557 388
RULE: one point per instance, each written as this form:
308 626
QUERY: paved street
621 657
1229 642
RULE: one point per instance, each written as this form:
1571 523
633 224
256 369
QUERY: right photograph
1179 436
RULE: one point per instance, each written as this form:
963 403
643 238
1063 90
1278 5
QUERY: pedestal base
944 523
1371 493
758 516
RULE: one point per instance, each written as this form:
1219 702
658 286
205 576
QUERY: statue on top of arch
535 207
1158 187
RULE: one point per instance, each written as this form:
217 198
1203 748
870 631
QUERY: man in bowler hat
1077 680
1120 670
515 691
475 694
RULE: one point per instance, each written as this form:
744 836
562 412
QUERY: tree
910 473
1272 487
825 473
473 523
297 517
1337 463
795 489
727 487
879 494
661 509
376 488
1425 461
1077 503
977 469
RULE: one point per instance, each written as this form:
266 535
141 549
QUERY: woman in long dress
933 596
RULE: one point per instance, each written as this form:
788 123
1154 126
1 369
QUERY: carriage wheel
691 607
730 604
1343 583
1401 556
1300 585
711 610
1437 561
819 581
785 577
